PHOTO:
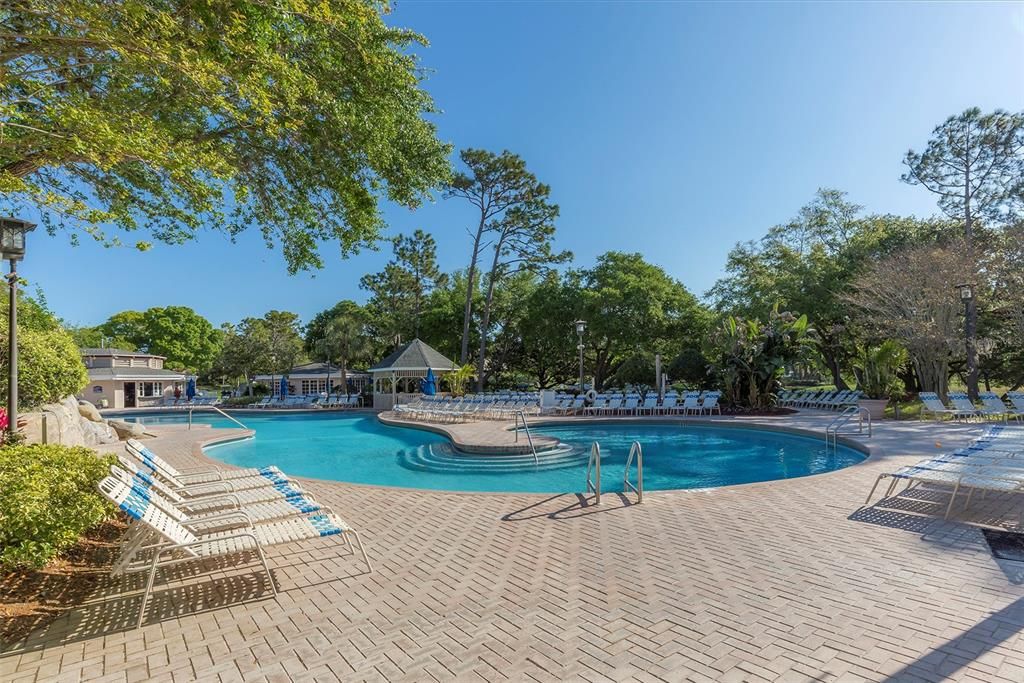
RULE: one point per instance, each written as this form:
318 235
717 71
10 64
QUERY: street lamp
581 327
12 248
966 291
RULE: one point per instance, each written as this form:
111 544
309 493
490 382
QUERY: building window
314 386
151 389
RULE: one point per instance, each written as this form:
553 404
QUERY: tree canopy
168 116
186 339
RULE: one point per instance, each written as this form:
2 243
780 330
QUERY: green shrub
48 498
49 366
240 400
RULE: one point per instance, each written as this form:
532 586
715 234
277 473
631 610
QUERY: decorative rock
127 430
63 423
89 411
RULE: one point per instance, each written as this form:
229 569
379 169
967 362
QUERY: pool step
444 458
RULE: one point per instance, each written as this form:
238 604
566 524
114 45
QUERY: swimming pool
357 448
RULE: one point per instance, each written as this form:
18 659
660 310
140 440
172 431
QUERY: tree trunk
486 322
470 288
343 369
933 375
833 366
971 314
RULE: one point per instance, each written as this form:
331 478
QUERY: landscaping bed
32 598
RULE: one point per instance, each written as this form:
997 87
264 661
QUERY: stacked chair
189 516
993 463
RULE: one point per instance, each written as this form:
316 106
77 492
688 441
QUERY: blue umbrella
284 386
429 386
190 388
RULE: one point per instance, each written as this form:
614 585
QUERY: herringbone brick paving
781 581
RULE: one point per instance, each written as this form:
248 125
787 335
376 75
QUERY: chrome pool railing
594 463
191 408
635 451
520 415
832 430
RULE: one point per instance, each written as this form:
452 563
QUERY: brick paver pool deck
780 581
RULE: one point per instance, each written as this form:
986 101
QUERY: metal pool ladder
520 415
594 462
635 451
832 430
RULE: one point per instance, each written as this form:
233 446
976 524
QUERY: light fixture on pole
12 248
581 327
966 291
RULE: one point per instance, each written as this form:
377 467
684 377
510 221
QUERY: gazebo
401 372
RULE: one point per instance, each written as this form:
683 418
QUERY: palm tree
344 340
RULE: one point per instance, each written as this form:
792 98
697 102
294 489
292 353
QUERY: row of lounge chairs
992 463
299 401
494 406
818 400
196 402
691 403
182 516
962 408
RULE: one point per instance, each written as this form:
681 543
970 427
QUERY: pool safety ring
591 396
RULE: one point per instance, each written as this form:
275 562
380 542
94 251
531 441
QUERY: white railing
637 452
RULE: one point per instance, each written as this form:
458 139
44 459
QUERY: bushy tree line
877 286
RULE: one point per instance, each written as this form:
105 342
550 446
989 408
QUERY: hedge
49 367
48 498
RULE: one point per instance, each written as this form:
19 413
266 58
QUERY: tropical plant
752 355
878 370
459 378
48 498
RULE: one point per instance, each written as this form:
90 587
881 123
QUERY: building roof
314 370
117 352
133 374
415 355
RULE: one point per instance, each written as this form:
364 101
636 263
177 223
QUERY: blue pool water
359 449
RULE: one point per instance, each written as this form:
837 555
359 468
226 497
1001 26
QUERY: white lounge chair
176 542
963 404
1016 399
691 403
993 406
931 404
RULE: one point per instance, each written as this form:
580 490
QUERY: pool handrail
594 462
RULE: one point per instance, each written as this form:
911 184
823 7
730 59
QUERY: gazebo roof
414 356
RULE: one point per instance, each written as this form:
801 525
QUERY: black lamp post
12 248
581 327
966 291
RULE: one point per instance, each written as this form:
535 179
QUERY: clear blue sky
672 129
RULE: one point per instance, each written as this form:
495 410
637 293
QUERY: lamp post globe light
966 292
581 327
12 248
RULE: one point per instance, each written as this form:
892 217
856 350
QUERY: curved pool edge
459 442
871 452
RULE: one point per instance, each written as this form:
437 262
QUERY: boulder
127 430
89 411
63 423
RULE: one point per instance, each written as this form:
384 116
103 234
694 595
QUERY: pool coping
871 453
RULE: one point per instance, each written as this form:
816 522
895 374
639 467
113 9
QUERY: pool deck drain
778 581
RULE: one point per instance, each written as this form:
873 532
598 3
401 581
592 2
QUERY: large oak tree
166 116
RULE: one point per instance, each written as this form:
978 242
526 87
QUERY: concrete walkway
780 581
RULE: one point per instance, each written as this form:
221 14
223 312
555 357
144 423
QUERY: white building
316 378
128 379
